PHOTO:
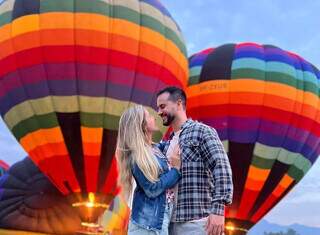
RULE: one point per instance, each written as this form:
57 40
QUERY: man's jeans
188 228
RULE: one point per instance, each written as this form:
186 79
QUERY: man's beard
169 120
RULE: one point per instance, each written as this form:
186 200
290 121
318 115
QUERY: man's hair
175 93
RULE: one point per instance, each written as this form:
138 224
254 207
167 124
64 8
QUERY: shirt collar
184 125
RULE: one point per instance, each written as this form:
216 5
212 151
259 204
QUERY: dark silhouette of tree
289 232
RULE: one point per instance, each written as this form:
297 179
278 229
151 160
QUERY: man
206 184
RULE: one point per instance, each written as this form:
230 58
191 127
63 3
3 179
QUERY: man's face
166 109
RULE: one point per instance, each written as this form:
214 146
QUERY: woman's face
150 122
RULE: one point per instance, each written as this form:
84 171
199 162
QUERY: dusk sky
290 25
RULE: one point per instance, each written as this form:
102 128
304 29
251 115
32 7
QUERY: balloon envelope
69 68
30 202
264 103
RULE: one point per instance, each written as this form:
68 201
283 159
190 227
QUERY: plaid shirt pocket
190 150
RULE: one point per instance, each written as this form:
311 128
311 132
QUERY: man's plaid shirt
206 184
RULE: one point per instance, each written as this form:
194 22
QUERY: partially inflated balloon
30 202
69 68
264 103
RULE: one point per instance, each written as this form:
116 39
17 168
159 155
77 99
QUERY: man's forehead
164 96
163 99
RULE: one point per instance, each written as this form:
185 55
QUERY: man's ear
179 102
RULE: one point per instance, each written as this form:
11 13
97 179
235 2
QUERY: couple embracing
183 184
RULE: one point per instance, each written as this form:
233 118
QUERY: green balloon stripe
295 160
194 80
276 77
96 120
275 67
195 71
113 11
295 173
70 104
249 62
264 157
262 163
35 123
270 71
299 165
5 18
120 10
50 120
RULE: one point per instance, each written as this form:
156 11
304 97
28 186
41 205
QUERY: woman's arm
152 190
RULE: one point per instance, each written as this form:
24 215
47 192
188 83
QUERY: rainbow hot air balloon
264 103
68 69
3 167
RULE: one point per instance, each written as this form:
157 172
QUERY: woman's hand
175 158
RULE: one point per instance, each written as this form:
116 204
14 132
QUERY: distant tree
292 232
270 233
289 232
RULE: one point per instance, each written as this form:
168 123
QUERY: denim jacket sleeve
166 180
162 145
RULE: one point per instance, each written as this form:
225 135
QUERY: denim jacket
149 199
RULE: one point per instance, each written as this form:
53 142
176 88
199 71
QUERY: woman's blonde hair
133 147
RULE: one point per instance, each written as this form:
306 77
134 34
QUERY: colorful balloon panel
69 68
3 167
29 202
264 103
116 218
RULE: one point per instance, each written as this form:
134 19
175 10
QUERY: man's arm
217 161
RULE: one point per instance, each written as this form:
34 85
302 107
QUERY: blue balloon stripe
244 130
197 60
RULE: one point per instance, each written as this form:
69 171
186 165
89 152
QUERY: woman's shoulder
157 151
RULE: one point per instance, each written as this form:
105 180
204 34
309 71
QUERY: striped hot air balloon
264 103
68 69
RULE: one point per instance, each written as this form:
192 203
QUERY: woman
138 158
